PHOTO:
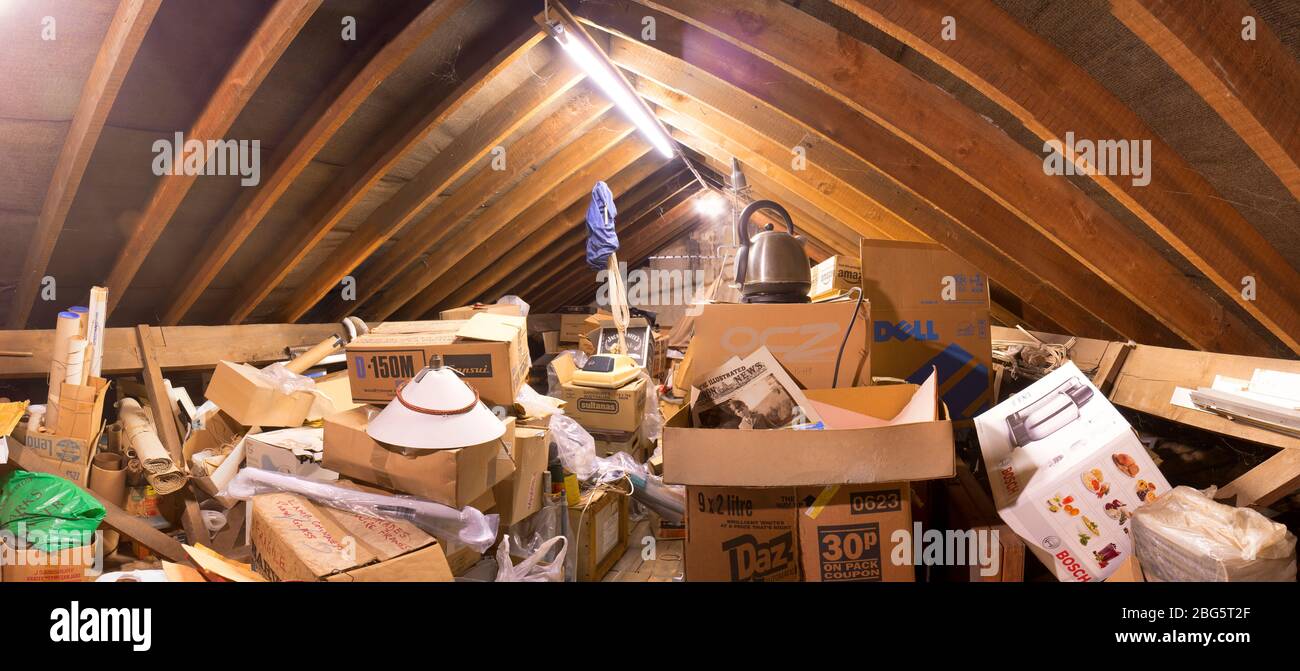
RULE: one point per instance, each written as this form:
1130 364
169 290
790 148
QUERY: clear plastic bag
535 568
534 404
552 380
577 452
1187 536
286 380
511 299
467 525
652 422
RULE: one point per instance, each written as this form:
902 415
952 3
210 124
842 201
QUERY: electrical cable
835 380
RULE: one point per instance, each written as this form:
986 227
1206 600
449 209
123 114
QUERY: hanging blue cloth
601 238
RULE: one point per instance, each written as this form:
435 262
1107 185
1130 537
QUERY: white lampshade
436 410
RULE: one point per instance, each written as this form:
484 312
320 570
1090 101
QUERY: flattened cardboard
846 532
930 309
804 338
81 408
450 477
242 392
490 352
778 458
740 534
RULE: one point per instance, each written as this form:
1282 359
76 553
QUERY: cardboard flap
885 405
492 327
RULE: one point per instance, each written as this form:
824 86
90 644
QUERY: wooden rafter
327 115
561 186
884 91
125 34
458 159
272 37
1253 84
447 236
363 174
1052 96
507 252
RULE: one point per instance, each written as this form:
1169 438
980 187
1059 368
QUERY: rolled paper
98 311
108 477
138 432
67 327
76 361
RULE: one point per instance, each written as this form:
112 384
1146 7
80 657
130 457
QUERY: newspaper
751 393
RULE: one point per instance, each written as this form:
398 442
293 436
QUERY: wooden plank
965 143
566 175
196 532
775 104
506 254
1252 84
1266 483
1052 96
560 187
546 137
311 134
262 52
458 159
121 43
358 178
176 347
159 400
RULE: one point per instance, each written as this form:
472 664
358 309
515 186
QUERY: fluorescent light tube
599 71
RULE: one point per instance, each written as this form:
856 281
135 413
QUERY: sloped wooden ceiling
446 153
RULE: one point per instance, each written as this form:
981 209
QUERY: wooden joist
1052 96
276 31
176 347
340 100
466 152
363 174
121 43
883 91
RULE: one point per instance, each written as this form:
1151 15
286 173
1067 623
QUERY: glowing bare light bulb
711 205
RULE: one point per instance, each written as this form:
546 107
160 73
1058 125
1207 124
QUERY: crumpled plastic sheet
535 568
286 380
467 525
1187 536
511 299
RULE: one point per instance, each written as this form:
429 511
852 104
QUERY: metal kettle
773 266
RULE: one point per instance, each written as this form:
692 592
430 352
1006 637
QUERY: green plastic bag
49 512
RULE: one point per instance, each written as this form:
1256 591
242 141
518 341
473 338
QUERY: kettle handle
742 224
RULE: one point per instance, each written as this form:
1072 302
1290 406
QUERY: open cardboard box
454 478
911 439
600 409
65 456
253 399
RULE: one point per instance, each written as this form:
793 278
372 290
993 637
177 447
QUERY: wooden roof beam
1052 96
1253 84
272 37
318 126
121 43
363 174
882 90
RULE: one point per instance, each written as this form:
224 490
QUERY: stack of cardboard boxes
817 505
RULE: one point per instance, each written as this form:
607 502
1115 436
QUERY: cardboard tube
98 310
83 314
76 363
108 477
139 433
67 327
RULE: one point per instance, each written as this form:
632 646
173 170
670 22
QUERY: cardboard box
295 539
520 494
930 309
81 408
450 477
296 451
601 528
219 432
490 351
846 532
64 456
837 274
607 443
468 311
80 564
575 325
598 409
1067 473
739 534
911 441
247 395
804 338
